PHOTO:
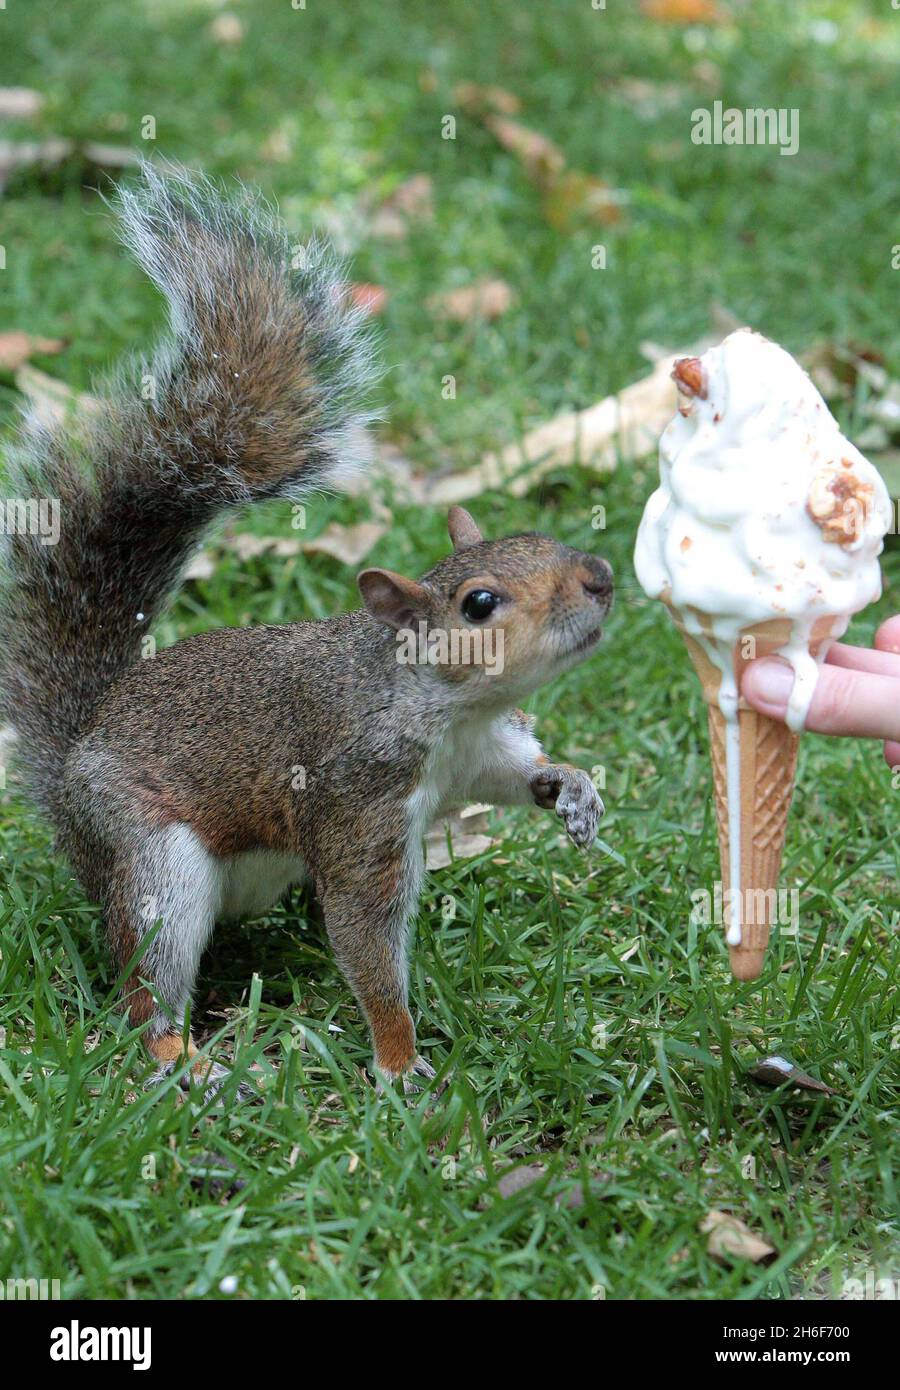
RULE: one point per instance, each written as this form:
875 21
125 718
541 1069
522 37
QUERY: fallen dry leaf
388 224
517 1179
649 99
476 100
16 348
541 159
51 400
874 439
349 544
729 1238
682 11
465 830
24 154
227 29
486 299
462 846
574 197
109 157
886 409
50 154
573 1198
775 1071
570 195
19 103
278 145
390 472
247 546
570 1196
708 74
202 566
411 201
370 298
8 737
626 425
837 368
414 197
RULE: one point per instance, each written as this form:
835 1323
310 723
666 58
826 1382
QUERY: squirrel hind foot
418 1067
212 1077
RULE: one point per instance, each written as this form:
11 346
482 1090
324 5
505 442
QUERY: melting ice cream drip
722 658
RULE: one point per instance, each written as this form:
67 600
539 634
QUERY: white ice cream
764 510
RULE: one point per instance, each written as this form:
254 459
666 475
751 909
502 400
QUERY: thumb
861 704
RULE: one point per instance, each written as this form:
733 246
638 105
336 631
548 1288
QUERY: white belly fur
487 759
253 882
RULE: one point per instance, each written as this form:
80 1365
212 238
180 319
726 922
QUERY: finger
892 755
882 663
887 638
861 704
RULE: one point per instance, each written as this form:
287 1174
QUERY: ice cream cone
766 518
768 764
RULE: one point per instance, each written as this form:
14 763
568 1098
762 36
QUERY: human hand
858 691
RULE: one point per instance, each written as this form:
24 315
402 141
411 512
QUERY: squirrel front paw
572 794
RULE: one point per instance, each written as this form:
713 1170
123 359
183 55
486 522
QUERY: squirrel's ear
393 600
462 528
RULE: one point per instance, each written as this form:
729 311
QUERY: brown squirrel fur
202 783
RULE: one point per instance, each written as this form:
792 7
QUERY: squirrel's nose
597 577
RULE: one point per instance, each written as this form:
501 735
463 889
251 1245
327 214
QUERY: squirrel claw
572 794
211 1078
580 808
418 1067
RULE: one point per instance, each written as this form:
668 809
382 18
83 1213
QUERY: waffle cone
768 765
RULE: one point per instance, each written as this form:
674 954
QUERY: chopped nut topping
839 503
690 377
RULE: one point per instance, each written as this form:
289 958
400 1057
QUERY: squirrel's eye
479 604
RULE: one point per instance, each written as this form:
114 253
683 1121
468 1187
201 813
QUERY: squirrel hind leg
172 880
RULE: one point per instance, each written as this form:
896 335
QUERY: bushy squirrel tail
256 392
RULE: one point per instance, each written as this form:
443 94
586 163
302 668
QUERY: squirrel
172 782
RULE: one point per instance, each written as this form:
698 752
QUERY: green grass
650 1115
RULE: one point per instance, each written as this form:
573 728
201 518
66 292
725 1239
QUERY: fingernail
772 682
